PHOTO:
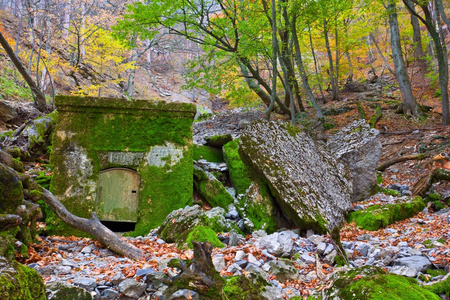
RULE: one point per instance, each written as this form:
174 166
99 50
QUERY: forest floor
400 135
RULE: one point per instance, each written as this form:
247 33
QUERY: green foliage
203 234
377 216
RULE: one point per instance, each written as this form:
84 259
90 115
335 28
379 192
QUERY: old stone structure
129 161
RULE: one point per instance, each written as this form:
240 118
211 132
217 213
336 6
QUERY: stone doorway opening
118 198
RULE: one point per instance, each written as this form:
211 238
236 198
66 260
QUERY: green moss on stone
211 189
243 288
391 192
208 153
378 216
218 141
11 191
436 272
441 287
375 284
24 283
239 174
292 130
203 234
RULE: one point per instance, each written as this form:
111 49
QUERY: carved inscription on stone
124 158
160 155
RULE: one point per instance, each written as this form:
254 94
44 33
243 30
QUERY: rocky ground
294 262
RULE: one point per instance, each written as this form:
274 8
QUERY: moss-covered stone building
129 161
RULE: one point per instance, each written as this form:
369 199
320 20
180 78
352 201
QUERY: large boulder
311 187
19 282
211 189
359 148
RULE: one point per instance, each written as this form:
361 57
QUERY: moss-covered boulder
19 282
258 207
208 153
374 283
378 216
239 174
11 191
312 188
251 287
211 189
218 141
203 234
65 291
183 226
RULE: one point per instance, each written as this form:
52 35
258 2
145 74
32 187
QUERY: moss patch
378 216
211 189
203 234
209 153
11 191
374 283
22 283
239 174
243 288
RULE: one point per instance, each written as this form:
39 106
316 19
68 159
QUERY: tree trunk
408 102
319 80
39 97
381 54
330 60
417 36
306 86
93 227
441 53
273 95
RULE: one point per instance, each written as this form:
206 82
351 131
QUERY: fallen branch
399 159
418 156
93 227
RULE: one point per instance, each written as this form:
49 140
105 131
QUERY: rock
239 175
315 239
144 272
291 292
236 239
7 111
257 205
218 141
259 234
180 223
308 258
420 263
358 146
203 112
117 278
278 243
18 281
86 283
321 248
404 271
11 191
132 288
288 160
64 290
110 294
373 283
211 189
329 258
239 255
184 294
219 262
363 248
86 250
284 270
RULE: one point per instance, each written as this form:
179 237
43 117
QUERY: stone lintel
118 105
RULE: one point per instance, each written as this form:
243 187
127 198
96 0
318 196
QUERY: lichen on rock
312 189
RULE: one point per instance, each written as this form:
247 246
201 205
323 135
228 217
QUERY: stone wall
149 137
